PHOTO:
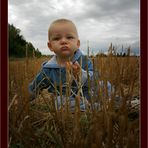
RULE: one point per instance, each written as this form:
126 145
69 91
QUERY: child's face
63 40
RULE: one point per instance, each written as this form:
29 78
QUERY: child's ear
78 43
49 45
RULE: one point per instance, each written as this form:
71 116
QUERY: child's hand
73 68
76 68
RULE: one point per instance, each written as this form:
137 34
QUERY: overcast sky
99 21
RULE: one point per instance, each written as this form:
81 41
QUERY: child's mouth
64 49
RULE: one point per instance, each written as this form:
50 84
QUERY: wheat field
38 124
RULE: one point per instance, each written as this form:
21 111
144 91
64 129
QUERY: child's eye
70 37
56 38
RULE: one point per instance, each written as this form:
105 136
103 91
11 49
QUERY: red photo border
4 74
144 81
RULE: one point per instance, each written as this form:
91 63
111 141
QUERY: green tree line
18 46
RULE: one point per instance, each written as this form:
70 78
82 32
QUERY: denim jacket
51 73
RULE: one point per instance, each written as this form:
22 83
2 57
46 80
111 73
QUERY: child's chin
66 53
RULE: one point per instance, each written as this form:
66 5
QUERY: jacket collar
52 63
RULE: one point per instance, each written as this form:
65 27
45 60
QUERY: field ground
38 124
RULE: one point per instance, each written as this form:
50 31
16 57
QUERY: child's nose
63 40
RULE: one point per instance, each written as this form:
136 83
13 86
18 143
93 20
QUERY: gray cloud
99 21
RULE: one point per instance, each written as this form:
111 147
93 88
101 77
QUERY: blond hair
60 21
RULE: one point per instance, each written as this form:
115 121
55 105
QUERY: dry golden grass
39 125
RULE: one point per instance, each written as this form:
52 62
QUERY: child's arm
40 82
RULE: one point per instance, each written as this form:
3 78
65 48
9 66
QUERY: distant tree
30 49
128 51
38 53
18 46
101 54
118 55
124 54
17 42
